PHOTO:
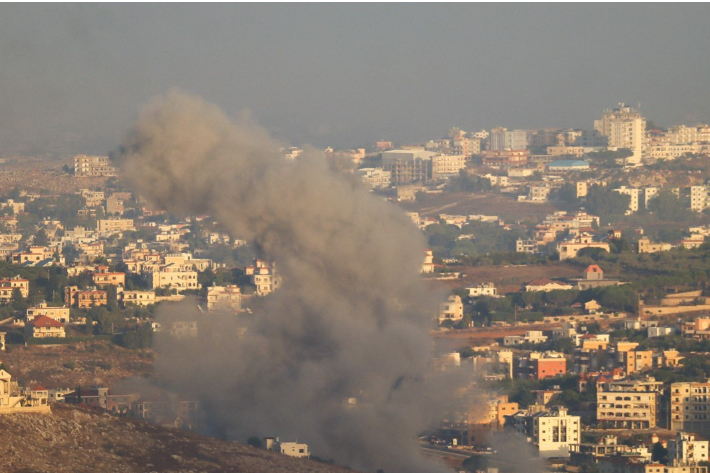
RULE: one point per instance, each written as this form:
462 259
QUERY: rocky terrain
75 440
85 364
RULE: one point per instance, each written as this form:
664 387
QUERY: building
60 314
376 178
8 286
630 404
93 166
546 285
684 450
503 139
645 246
264 276
505 158
624 127
16 400
141 298
699 198
531 336
102 277
487 416
452 309
634 195
690 407
444 166
84 299
551 431
44 327
567 165
570 248
291 449
484 289
170 276
527 246
229 297
408 166
114 225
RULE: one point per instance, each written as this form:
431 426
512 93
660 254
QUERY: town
574 260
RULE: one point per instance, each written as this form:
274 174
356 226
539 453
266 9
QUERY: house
84 299
16 400
229 296
483 289
570 248
546 285
531 336
141 298
8 286
291 449
60 314
103 277
44 327
452 309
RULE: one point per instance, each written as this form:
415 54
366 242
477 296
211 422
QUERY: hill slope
74 440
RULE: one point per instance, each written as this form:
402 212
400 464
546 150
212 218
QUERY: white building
625 128
531 336
684 450
291 449
483 289
452 309
699 198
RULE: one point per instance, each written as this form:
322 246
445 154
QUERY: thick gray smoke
350 320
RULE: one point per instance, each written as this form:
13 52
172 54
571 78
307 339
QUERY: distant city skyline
74 77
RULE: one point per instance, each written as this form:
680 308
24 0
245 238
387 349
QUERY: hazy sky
73 77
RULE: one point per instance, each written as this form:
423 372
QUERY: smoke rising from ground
350 320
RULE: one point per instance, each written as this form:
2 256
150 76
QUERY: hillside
74 440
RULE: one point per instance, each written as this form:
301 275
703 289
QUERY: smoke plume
351 317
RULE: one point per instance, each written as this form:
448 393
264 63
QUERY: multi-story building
503 139
452 309
224 297
645 246
60 314
531 336
84 299
93 198
483 289
8 286
505 158
44 327
634 194
551 431
377 178
93 166
114 225
526 246
630 404
408 166
699 198
141 298
684 450
570 248
444 166
690 407
175 277
103 277
625 128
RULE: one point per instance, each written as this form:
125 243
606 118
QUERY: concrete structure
291 449
531 336
103 277
224 297
408 166
170 276
527 246
8 286
376 178
14 400
546 285
84 299
114 225
551 431
699 198
484 289
630 404
452 309
570 248
93 166
141 298
60 314
567 165
684 450
625 128
690 406
645 246
505 158
44 327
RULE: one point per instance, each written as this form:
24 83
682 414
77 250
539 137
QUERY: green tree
606 203
669 207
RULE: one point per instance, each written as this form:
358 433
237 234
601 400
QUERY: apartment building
141 298
630 404
114 225
699 198
452 309
624 127
93 166
104 277
173 277
444 166
551 431
570 248
690 407
84 299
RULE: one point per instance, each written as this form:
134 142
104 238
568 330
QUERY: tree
605 203
667 206
659 453
19 303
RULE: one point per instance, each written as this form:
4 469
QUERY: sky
73 77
